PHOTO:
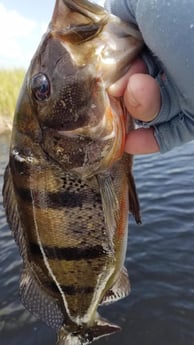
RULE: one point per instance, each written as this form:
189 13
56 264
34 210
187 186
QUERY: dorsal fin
10 204
38 302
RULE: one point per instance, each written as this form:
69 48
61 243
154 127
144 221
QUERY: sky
22 24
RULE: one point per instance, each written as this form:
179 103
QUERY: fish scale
68 184
59 243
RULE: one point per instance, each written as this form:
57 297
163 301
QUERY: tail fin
84 335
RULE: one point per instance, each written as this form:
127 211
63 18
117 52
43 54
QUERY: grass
10 83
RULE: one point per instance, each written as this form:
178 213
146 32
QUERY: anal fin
119 290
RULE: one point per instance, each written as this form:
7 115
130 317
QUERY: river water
160 262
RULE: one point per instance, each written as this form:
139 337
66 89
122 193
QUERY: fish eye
40 87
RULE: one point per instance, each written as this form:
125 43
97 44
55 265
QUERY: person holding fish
68 186
158 88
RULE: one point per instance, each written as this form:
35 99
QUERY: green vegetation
10 83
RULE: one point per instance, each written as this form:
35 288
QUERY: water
160 261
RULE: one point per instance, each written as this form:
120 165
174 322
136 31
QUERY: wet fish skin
68 186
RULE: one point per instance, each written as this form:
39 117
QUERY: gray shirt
167 27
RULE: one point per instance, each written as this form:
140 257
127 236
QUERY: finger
141 141
117 89
142 97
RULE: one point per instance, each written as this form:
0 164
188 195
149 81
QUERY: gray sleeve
167 27
122 9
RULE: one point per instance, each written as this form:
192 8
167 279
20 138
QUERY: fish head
83 52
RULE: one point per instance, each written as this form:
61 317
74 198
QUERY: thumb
142 97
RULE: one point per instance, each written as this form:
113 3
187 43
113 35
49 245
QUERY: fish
68 186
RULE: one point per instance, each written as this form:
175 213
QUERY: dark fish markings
69 253
55 200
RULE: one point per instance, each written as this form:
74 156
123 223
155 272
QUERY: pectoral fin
110 204
133 200
120 289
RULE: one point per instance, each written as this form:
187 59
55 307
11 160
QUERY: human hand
142 99
167 91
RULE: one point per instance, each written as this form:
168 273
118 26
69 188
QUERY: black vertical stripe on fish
71 290
54 200
68 253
